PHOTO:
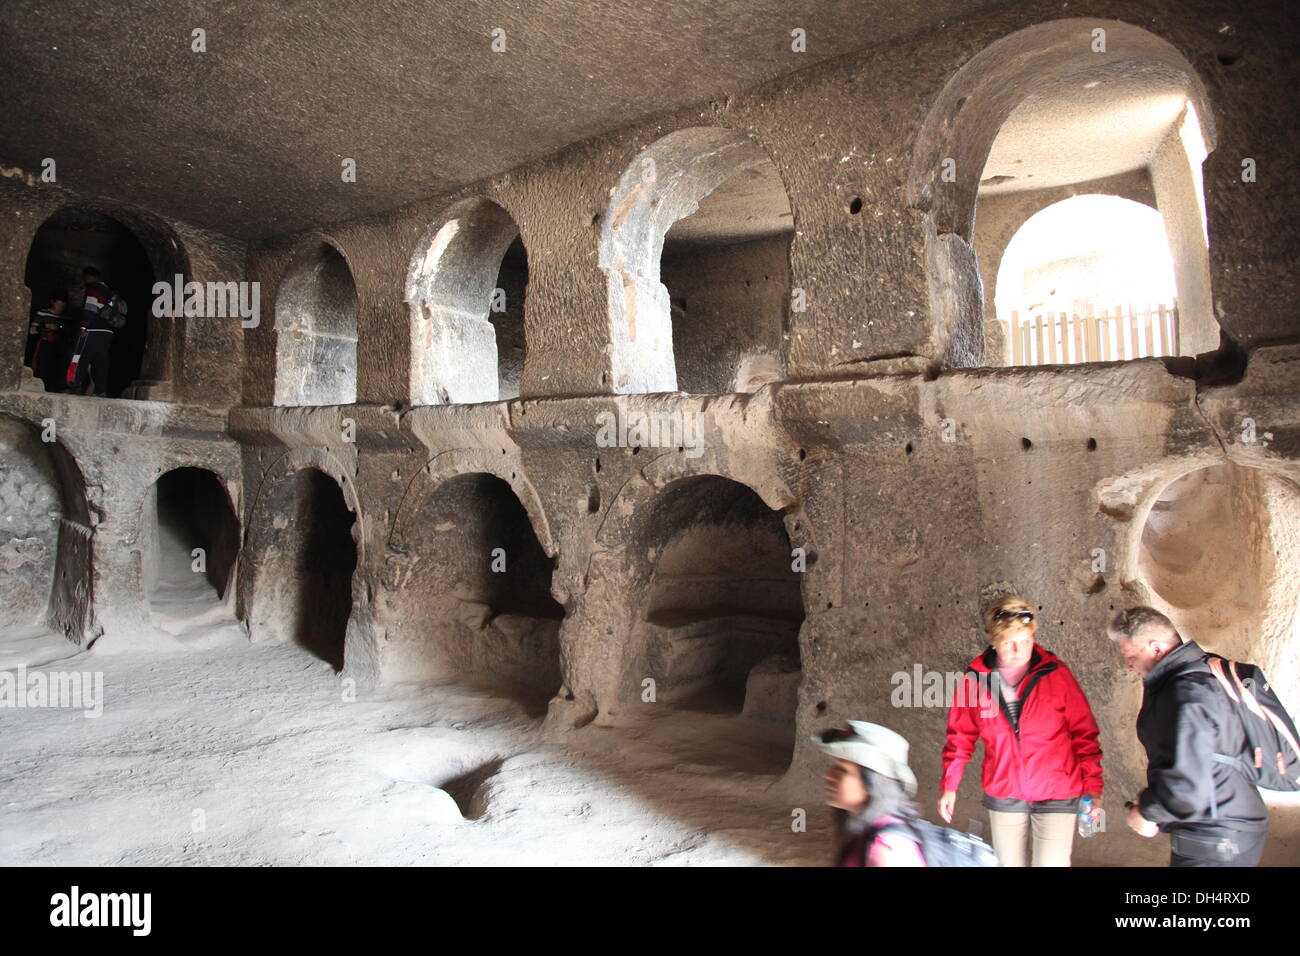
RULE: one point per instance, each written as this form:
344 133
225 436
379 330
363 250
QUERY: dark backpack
113 314
1271 756
942 846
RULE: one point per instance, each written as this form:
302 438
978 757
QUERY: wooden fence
1124 332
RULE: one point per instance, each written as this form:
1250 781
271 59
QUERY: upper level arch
1051 107
466 288
316 329
132 250
695 247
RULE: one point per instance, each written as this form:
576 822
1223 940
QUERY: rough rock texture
843 523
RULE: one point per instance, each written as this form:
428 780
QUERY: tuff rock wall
914 488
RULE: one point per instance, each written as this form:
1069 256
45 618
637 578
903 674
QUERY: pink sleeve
895 849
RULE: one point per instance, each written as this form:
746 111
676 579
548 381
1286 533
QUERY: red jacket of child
1055 756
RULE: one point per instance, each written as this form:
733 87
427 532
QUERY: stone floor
221 752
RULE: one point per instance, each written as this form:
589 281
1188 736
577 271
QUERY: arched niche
132 250
474 601
719 605
46 540
695 248
190 539
1050 95
316 330
466 289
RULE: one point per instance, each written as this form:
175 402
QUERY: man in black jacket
90 355
1196 791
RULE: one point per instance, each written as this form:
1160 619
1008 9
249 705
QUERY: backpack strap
1247 697
903 825
1265 714
1252 704
1239 693
1216 668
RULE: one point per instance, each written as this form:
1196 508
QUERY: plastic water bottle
1087 825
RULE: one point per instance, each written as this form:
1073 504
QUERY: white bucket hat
872 746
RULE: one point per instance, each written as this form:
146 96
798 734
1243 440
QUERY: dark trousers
90 356
1217 846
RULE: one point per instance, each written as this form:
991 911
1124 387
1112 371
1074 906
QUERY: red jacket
1054 757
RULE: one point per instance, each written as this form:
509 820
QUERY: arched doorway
695 244
718 638
1088 279
45 539
316 330
475 603
466 288
191 538
1220 553
305 556
131 253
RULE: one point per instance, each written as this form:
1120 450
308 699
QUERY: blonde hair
997 630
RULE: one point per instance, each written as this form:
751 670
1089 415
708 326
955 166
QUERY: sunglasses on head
1006 614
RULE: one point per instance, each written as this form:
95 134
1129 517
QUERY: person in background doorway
1191 732
90 354
51 333
1041 753
870 786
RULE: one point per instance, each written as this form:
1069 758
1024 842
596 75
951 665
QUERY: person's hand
1140 824
1095 813
947 804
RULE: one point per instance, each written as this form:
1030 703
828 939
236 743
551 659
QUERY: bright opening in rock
1103 264
1095 251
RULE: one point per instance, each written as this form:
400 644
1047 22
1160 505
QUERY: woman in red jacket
1040 741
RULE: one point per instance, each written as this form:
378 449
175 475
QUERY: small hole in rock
467 789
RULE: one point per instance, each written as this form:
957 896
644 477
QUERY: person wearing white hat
870 786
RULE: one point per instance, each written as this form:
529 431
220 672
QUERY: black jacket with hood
1186 718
